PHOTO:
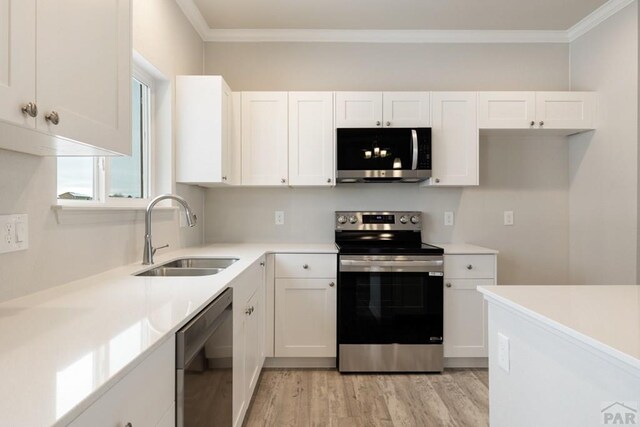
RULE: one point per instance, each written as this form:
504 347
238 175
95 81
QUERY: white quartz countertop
60 349
464 249
604 318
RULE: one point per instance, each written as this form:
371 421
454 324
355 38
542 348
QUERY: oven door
390 300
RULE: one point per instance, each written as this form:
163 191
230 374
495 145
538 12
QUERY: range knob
415 219
342 219
353 219
404 219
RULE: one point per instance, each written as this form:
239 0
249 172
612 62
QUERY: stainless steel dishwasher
204 367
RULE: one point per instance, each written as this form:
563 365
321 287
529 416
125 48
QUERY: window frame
102 165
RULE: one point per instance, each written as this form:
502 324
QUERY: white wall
526 175
604 164
89 244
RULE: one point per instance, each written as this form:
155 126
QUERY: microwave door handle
414 140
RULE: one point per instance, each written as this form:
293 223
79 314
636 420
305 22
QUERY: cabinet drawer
141 398
304 266
469 266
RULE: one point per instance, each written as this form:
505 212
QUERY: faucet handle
160 247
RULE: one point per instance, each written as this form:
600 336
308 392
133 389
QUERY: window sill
74 213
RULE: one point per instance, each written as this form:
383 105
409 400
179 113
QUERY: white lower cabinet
248 336
144 397
305 317
305 305
465 311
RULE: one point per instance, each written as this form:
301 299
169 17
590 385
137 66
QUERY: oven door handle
414 146
355 263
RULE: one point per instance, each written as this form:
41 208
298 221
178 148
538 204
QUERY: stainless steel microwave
383 155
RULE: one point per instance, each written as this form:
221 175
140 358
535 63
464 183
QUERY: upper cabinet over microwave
65 77
382 109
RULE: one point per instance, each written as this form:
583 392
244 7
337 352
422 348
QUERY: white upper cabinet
566 110
264 138
506 110
406 109
73 61
358 109
454 139
18 61
382 109
572 111
204 131
311 139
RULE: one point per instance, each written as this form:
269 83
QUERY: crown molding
384 36
596 18
207 34
193 14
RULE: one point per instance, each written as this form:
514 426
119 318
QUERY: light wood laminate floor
300 398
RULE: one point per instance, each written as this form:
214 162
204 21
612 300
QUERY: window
114 180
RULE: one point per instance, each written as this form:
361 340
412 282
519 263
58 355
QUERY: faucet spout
147 255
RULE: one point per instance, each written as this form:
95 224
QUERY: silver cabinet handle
30 109
328 180
469 267
224 178
128 425
378 123
52 117
388 123
448 285
332 284
262 264
541 124
533 123
283 180
305 266
437 180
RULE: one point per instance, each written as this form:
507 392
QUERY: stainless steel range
390 291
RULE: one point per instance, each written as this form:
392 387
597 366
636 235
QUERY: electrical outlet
14 233
503 352
279 217
448 218
508 217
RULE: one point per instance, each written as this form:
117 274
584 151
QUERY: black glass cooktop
380 243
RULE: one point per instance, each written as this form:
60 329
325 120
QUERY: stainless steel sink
189 267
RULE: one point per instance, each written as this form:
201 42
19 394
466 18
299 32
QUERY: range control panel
406 220
14 233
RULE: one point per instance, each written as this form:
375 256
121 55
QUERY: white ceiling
396 14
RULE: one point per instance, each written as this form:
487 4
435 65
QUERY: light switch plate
14 230
448 218
503 352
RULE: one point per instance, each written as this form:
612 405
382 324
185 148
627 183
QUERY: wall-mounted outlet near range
448 218
279 217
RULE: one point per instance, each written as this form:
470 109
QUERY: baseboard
466 362
300 362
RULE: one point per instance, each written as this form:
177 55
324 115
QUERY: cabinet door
254 323
454 138
565 110
506 110
465 318
83 62
143 397
358 109
17 60
406 109
305 318
203 130
311 139
264 138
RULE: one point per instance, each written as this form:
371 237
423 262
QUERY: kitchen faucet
149 250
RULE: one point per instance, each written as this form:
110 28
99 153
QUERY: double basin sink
189 267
